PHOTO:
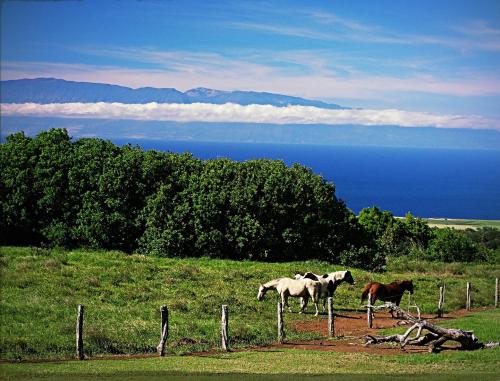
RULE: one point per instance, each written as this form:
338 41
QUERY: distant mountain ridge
53 90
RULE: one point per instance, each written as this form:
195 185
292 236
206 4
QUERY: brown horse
392 292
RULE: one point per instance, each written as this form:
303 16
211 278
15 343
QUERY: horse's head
262 292
408 284
348 277
343 276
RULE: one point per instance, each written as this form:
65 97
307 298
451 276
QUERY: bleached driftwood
435 337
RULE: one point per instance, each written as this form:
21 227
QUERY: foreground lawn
283 364
122 294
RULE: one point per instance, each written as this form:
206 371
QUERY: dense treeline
91 193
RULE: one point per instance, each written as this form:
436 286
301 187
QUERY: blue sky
426 56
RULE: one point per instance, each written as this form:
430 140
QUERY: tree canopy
92 193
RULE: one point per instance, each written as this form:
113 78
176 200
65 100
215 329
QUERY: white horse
329 282
300 288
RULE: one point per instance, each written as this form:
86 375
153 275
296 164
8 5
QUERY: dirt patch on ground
351 328
350 324
353 324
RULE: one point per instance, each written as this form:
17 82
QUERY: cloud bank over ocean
229 112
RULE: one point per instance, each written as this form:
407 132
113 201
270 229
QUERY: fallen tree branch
435 338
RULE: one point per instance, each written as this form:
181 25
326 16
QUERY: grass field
283 364
40 290
462 224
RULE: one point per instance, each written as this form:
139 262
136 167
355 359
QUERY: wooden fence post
468 303
369 312
441 301
331 318
163 330
79 333
224 327
496 292
281 327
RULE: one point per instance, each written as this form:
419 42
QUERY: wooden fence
441 301
225 338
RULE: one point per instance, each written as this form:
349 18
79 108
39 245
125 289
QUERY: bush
364 258
449 245
393 236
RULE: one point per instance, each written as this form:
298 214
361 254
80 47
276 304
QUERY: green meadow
122 294
286 364
457 223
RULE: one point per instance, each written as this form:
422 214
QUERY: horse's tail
365 292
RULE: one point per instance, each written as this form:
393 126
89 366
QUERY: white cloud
204 112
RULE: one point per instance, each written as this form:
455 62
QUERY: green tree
87 166
35 204
375 221
449 245
18 198
417 230
108 216
93 193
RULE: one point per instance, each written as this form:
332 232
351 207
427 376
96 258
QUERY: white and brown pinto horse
329 282
299 288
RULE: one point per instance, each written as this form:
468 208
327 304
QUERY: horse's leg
285 296
324 304
396 302
303 304
283 300
305 299
315 301
392 314
373 299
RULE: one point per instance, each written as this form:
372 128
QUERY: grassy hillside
462 224
40 290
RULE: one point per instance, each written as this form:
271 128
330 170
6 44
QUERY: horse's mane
311 276
272 283
396 283
401 283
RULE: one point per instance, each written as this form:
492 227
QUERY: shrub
364 258
449 245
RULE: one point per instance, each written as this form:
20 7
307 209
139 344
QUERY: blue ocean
426 182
